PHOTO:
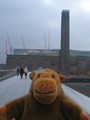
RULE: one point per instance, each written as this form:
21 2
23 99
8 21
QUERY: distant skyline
34 18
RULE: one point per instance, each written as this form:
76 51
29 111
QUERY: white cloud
49 2
86 5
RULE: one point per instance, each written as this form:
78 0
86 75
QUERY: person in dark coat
21 72
17 71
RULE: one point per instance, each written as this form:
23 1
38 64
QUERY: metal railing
4 74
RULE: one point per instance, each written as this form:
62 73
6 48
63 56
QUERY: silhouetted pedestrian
21 72
17 71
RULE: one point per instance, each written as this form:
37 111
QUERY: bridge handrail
4 74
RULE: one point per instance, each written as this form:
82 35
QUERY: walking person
21 72
17 71
25 71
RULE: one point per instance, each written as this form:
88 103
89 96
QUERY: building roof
52 52
36 52
79 53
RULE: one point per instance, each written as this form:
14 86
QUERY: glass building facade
53 52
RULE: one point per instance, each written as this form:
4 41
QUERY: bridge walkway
15 87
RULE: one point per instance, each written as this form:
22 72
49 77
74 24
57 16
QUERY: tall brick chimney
65 53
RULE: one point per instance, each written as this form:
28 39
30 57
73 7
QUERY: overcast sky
34 18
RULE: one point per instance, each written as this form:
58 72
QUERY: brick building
79 60
34 59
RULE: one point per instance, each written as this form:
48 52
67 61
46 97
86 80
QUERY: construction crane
49 40
6 48
23 42
45 41
10 47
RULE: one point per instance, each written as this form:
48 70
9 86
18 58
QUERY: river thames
81 87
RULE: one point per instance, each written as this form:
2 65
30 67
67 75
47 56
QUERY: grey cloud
34 18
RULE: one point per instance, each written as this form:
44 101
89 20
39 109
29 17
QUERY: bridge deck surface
15 87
